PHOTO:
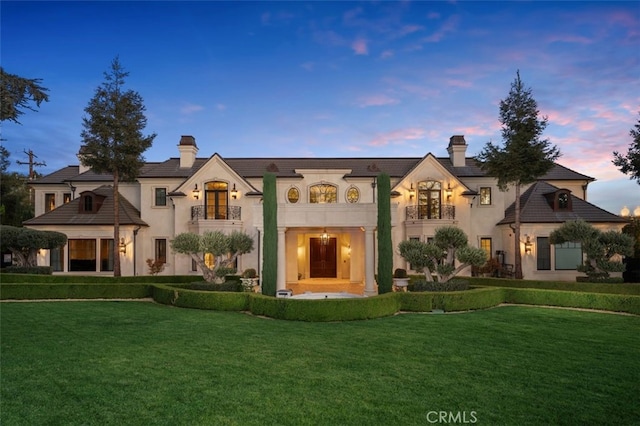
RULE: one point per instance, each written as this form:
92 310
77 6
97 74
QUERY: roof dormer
560 200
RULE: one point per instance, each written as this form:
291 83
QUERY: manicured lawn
135 363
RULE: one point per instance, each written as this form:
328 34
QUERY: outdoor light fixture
122 246
196 192
448 191
528 245
324 238
412 192
234 192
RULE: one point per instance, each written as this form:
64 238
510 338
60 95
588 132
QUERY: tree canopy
438 256
224 250
600 248
113 139
525 155
17 94
24 243
629 164
15 201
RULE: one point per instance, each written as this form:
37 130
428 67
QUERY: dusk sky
335 79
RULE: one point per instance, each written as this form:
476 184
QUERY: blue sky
335 79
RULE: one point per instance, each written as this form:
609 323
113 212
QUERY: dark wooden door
323 258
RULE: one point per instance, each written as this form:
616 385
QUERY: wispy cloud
189 109
376 100
397 136
447 27
309 66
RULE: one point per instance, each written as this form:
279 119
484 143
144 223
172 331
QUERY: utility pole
32 163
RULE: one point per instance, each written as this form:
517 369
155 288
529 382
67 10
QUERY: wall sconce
234 192
122 246
324 238
448 192
412 192
528 245
196 192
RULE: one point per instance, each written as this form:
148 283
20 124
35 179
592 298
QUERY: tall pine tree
629 164
113 139
524 157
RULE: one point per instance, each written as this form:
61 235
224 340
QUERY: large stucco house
327 212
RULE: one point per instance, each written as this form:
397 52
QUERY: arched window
429 196
216 199
323 193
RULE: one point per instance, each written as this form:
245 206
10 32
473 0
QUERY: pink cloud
387 54
376 100
360 47
459 83
398 136
449 26
569 38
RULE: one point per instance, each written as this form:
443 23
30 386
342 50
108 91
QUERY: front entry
323 258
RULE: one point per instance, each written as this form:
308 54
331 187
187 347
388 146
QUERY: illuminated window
485 244
353 195
293 195
82 255
429 196
66 197
49 202
323 193
216 199
485 196
106 254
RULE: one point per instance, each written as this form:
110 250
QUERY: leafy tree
599 247
17 93
385 246
524 157
113 139
224 249
438 256
633 230
630 164
24 243
15 199
270 218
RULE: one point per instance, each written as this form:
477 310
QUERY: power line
32 163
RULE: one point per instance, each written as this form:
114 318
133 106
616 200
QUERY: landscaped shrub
454 284
602 280
74 291
325 309
249 273
212 300
232 286
480 298
38 270
83 279
558 285
416 301
573 299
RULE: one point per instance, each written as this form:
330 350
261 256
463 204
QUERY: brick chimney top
188 140
457 140
457 150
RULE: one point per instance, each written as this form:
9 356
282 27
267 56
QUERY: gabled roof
69 214
535 208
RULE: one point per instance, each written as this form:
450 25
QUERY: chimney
457 150
188 151
81 168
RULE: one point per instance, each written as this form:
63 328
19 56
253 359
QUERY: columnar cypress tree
385 247
270 218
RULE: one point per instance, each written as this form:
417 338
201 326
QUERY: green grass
136 363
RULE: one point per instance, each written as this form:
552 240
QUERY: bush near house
558 285
479 298
211 300
89 280
38 270
74 291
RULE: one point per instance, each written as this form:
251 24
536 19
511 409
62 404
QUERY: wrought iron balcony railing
211 213
445 211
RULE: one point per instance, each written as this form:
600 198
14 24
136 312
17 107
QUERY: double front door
323 258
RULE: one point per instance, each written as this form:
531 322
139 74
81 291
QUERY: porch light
324 238
412 192
528 245
196 192
234 192
122 246
448 192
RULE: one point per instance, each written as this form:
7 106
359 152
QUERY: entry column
369 262
281 281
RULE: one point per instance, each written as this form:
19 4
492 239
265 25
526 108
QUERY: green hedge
618 288
74 291
213 300
103 279
572 299
325 309
479 298
39 270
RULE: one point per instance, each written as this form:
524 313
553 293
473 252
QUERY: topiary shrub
455 284
400 273
249 273
38 270
229 286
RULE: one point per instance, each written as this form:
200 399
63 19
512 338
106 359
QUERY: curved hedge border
573 299
199 299
617 288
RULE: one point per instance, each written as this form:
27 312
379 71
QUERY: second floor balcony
426 212
216 213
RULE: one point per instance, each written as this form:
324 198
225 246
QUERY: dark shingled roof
535 208
69 214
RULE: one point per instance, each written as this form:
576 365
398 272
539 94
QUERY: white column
369 262
282 260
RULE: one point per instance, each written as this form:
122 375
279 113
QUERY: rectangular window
485 196
82 255
161 250
106 254
160 197
49 202
56 259
88 203
568 256
66 197
485 244
544 254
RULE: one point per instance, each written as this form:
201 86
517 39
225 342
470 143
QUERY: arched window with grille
429 199
323 193
216 199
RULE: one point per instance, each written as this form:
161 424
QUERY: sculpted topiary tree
385 248
224 249
437 257
599 248
24 243
270 217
